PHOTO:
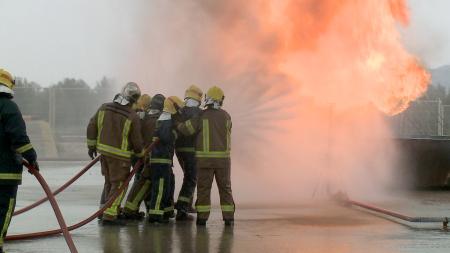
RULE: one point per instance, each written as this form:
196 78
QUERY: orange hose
90 218
55 206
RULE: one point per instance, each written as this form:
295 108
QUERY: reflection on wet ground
312 227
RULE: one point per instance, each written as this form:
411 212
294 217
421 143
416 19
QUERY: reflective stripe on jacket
14 142
212 131
163 151
186 144
115 130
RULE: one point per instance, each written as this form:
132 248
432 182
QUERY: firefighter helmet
131 92
157 102
7 79
215 93
173 104
143 102
194 92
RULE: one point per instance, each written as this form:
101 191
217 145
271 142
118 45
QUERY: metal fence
423 118
67 110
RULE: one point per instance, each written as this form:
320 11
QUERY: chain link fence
57 117
424 118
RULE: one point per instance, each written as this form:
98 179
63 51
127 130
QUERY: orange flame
305 81
346 52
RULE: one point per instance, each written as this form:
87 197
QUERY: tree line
66 105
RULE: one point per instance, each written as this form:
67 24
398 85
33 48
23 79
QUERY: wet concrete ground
311 227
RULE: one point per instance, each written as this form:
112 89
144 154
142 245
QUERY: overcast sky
47 40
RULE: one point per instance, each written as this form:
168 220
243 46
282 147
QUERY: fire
307 83
356 56
346 52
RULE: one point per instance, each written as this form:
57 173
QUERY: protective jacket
115 131
14 142
212 132
149 127
186 143
163 151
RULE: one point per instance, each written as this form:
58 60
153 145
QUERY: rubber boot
229 222
201 222
132 216
115 222
184 216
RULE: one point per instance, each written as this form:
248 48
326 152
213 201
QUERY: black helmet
157 102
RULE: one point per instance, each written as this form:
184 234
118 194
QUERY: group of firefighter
137 129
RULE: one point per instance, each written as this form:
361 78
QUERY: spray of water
307 82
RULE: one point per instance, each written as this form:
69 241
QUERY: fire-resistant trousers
8 195
139 191
115 171
188 165
204 183
160 190
170 208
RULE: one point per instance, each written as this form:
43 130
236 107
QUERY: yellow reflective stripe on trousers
91 142
203 209
157 209
169 209
113 210
161 160
11 176
113 150
24 148
189 127
125 133
134 205
186 150
212 154
227 208
175 135
100 117
7 219
184 199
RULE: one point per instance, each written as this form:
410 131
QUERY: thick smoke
305 81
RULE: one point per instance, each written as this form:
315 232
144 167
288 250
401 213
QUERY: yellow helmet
173 104
6 79
194 92
215 93
143 102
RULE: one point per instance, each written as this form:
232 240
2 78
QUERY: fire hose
60 189
64 229
55 207
397 215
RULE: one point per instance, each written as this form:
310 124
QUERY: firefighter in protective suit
141 106
185 151
115 132
141 187
14 145
212 131
161 162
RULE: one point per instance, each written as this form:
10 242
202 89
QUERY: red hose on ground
81 223
89 219
55 207
60 189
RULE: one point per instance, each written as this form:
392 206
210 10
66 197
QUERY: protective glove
92 153
35 165
134 160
